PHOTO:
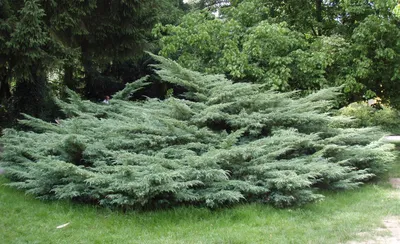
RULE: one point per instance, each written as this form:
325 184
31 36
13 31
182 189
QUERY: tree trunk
90 74
318 17
33 97
68 80
5 91
318 10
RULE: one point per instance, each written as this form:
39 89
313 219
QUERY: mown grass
337 219
395 170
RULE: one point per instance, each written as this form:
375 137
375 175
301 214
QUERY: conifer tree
218 144
26 56
77 39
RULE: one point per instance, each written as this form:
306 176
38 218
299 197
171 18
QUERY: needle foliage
218 144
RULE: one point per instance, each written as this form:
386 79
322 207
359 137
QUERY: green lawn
336 219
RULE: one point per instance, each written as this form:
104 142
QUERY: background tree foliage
95 47
77 40
218 144
291 45
27 55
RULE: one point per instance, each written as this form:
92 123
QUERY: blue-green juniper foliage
219 144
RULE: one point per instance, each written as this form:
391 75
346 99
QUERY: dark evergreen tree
27 55
105 33
78 39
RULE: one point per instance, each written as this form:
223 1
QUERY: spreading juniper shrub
218 144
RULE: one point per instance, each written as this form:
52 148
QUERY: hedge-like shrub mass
220 144
384 116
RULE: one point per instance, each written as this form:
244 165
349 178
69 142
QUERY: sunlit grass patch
337 219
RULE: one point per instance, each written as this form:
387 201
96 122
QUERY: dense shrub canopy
220 143
375 115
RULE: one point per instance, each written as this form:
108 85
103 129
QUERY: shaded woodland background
96 47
